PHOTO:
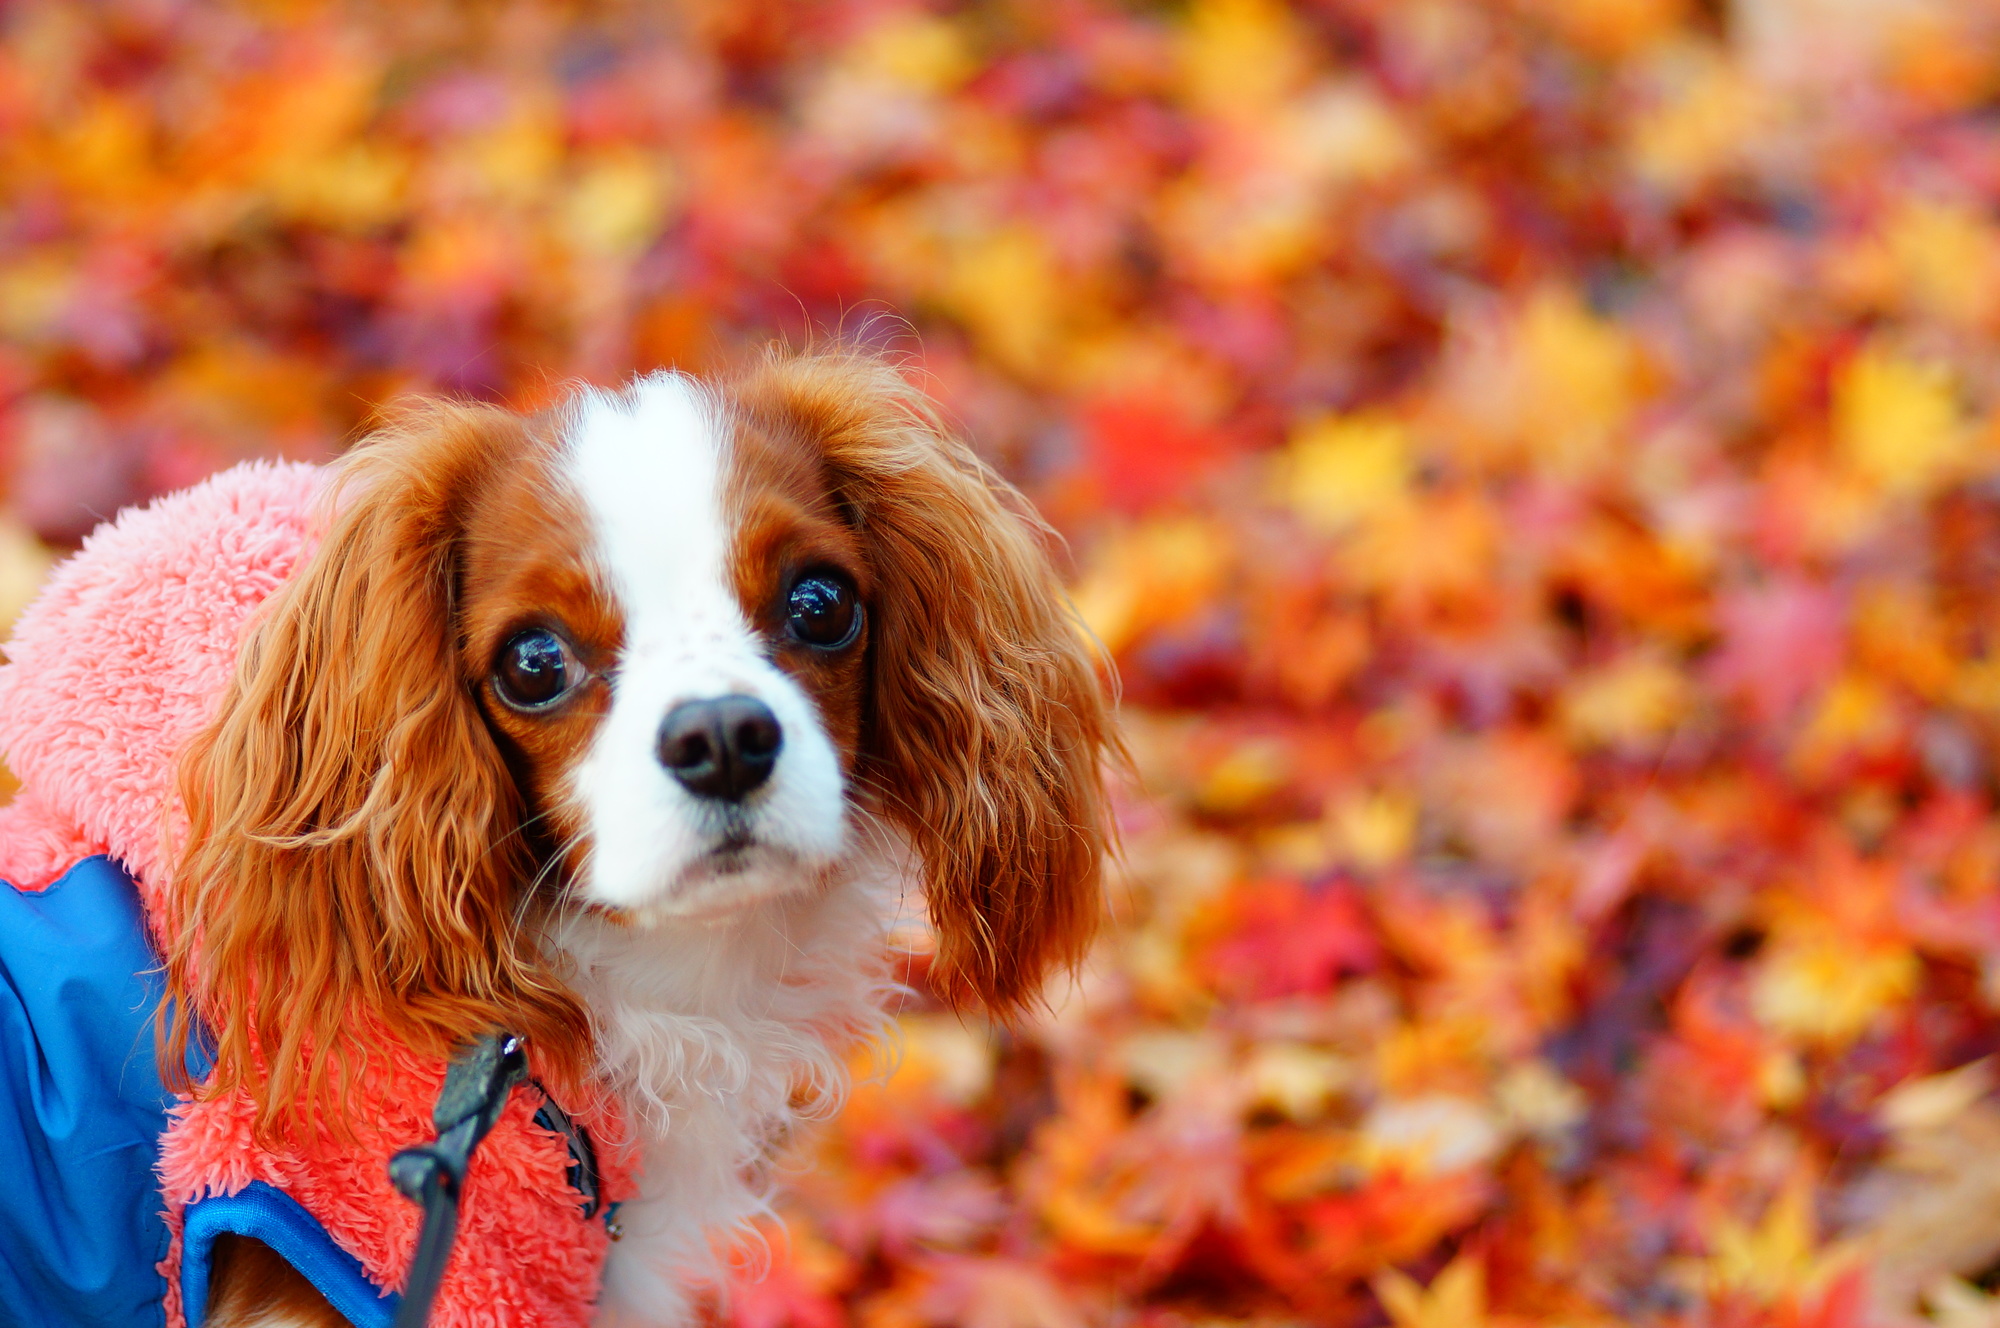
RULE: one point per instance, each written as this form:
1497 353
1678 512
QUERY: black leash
475 1092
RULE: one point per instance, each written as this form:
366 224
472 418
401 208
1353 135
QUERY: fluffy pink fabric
525 1256
110 672
120 659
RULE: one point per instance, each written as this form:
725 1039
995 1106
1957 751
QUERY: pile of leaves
1533 462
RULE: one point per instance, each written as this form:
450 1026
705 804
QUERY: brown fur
354 861
256 1288
526 564
360 846
785 520
985 725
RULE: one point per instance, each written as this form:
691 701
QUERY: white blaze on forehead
650 466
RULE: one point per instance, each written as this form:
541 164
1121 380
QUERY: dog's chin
721 884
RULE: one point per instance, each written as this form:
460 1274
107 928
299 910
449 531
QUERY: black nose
722 747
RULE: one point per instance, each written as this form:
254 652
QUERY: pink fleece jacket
109 673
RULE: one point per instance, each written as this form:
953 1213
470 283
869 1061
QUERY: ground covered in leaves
1534 463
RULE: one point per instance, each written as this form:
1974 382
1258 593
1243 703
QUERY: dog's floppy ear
354 862
988 727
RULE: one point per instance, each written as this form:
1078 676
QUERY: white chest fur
722 1037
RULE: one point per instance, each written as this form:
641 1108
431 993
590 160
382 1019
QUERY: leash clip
476 1086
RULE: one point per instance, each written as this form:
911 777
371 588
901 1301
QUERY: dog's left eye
823 610
535 669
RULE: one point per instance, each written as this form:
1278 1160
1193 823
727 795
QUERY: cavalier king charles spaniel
624 727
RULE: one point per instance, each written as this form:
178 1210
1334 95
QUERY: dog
624 727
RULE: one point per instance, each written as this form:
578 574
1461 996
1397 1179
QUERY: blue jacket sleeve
82 1107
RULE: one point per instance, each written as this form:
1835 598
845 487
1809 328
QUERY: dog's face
664 653
666 619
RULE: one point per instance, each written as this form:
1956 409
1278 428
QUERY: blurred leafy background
1535 463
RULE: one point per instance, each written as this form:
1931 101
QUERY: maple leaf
1338 470
1640 698
1153 575
1006 288
1283 939
1239 57
1143 452
1777 1255
1781 642
1536 457
1897 422
1455 1298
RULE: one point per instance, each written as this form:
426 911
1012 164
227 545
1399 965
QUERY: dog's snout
723 747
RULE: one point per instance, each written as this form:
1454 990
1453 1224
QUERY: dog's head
665 653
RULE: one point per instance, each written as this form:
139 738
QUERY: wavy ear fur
988 727
354 863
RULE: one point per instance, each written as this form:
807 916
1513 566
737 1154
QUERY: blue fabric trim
81 1105
266 1213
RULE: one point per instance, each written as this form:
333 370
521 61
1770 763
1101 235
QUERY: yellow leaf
1413 1057
1897 424
1553 386
1818 984
1947 254
1251 772
617 203
1004 287
1373 830
313 111
1237 230
1149 576
1939 55
1240 57
1856 714
1456 1297
466 250
1699 128
917 51
361 185
1582 381
1771 1258
1638 698
515 161
1342 468
1079 1217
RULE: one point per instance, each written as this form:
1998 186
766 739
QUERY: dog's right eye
535 670
822 610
